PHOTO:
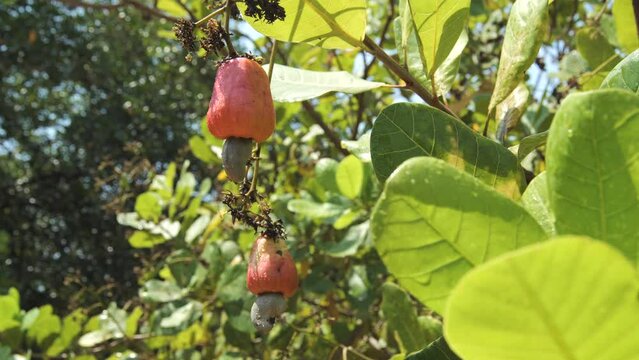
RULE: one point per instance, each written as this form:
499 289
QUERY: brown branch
382 37
123 3
317 118
411 82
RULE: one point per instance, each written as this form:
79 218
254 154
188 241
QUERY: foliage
420 228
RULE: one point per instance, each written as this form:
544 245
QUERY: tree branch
411 82
317 118
123 3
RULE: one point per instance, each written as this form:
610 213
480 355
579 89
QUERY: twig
317 118
227 36
203 20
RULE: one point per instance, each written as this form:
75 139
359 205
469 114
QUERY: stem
256 166
256 169
203 20
601 12
411 82
271 60
599 68
376 50
227 36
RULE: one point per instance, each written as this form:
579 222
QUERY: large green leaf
535 200
161 291
10 305
625 75
525 30
510 110
593 168
335 24
149 205
446 73
404 130
530 143
71 328
400 315
438 24
566 299
314 210
626 26
45 327
350 176
433 223
594 47
437 350
291 84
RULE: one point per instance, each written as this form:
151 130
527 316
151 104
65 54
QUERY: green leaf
625 75
433 223
346 219
446 73
525 30
401 317
132 321
161 291
438 24
404 130
404 27
183 317
568 298
511 110
325 170
172 8
314 210
594 47
349 244
10 305
232 284
71 328
290 84
350 176
535 201
110 324
409 54
184 187
202 150
360 147
45 327
197 228
335 24
149 205
593 178
572 65
144 239
530 143
437 350
624 15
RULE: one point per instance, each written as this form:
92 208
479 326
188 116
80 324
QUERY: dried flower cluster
267 10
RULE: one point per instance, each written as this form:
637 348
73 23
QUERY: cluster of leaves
422 218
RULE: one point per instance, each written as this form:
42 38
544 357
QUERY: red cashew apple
241 104
271 268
